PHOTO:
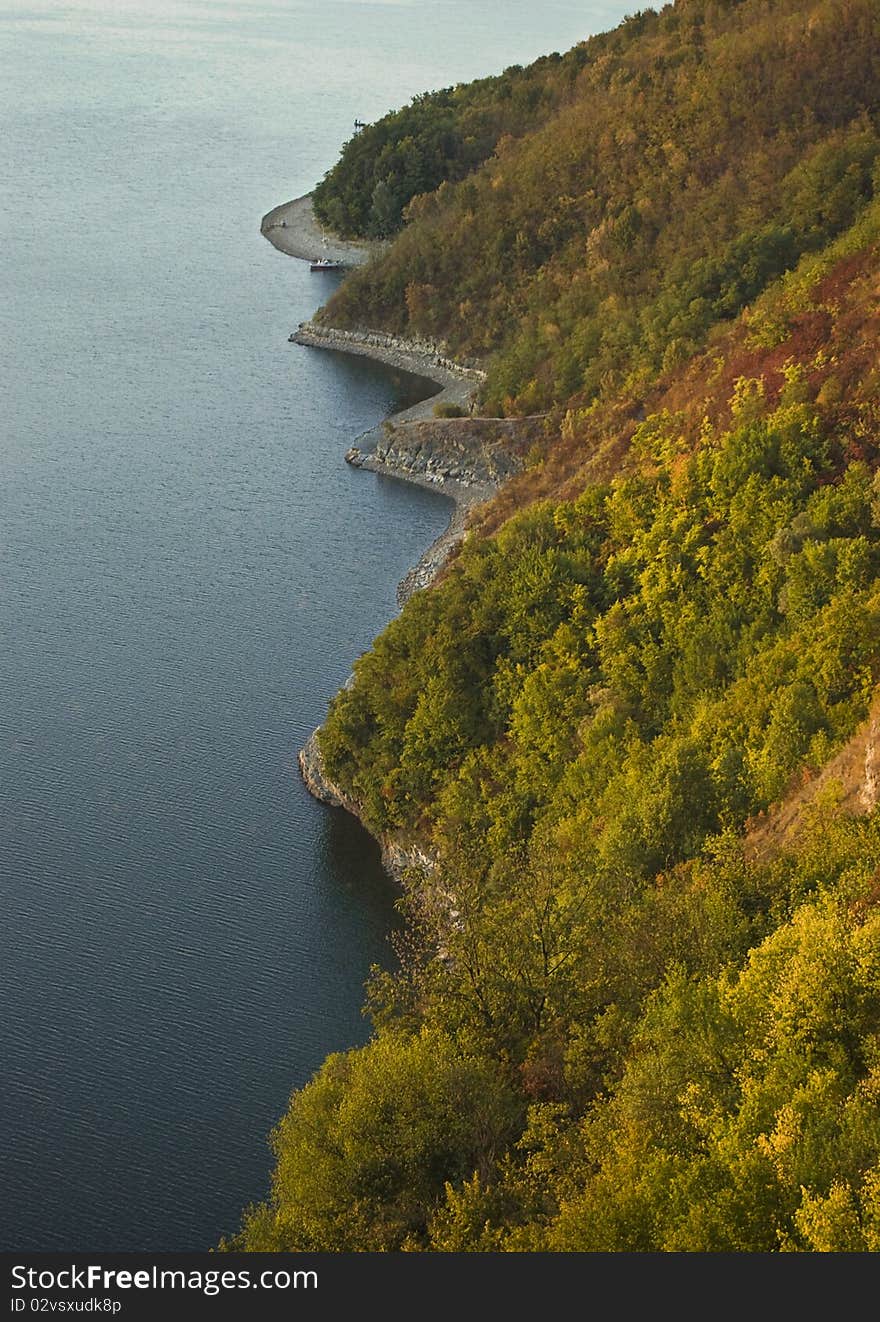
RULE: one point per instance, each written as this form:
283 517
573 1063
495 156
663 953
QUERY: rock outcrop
315 778
410 355
868 790
852 778
405 861
400 860
477 452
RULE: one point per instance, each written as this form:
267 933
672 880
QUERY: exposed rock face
399 860
311 765
402 861
852 776
870 787
480 452
410 355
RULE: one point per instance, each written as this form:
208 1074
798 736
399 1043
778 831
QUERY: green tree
366 1149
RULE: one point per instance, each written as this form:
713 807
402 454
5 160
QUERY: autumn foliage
615 1025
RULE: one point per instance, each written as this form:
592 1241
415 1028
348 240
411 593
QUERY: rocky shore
315 778
462 457
471 452
409 458
417 447
458 381
399 859
466 459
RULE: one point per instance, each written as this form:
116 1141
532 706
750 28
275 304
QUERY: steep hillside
696 155
438 138
631 734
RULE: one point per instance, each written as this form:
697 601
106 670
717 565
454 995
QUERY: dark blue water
187 570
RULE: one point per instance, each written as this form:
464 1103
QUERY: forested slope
617 1025
697 155
440 137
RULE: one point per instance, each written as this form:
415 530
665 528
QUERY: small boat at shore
325 264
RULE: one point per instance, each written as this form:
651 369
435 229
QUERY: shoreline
294 229
458 385
432 561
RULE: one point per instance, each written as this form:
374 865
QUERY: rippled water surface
188 569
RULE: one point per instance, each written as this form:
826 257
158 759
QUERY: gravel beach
294 229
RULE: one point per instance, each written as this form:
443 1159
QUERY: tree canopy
672 170
634 724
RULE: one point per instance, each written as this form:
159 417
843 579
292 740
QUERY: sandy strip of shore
294 229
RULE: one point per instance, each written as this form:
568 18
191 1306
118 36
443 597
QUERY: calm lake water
188 569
